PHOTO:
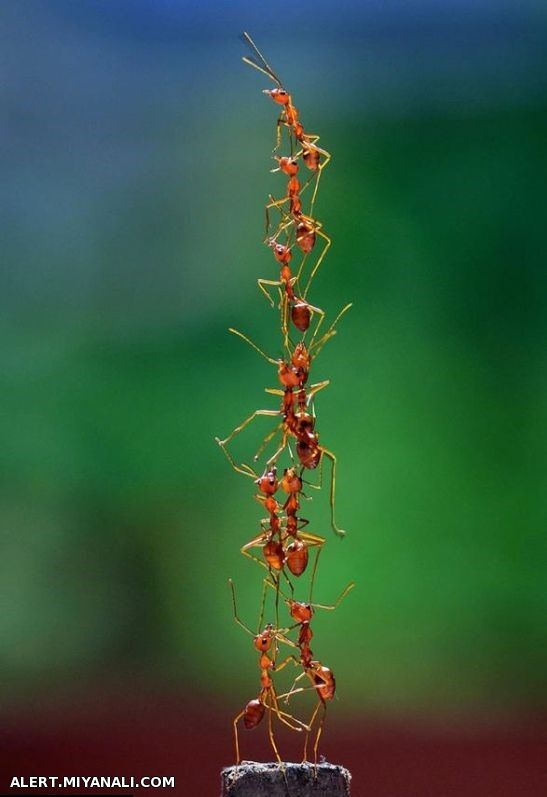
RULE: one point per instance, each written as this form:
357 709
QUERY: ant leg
253 345
277 203
267 440
339 599
285 320
244 469
330 455
301 267
262 282
280 714
270 732
288 222
313 389
310 723
314 571
291 455
320 485
319 732
292 690
320 259
331 330
260 540
289 582
262 607
246 422
327 156
238 757
255 558
273 586
236 618
311 539
276 588
280 450
321 314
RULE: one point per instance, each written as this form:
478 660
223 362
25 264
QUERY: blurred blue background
135 160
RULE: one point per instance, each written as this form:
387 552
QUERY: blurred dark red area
149 734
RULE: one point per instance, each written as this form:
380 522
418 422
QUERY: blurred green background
135 170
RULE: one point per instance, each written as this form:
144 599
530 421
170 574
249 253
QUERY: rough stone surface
251 779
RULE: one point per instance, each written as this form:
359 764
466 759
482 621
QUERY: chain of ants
283 543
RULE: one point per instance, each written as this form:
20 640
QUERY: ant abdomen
301 612
301 315
305 237
297 557
254 713
274 554
309 455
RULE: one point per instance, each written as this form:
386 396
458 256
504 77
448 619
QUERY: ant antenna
257 60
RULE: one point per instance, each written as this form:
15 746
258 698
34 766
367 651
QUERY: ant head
281 252
301 357
292 375
267 483
278 95
263 641
288 165
291 481
301 612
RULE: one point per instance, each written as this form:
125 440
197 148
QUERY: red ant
298 308
267 699
281 545
293 374
290 548
314 157
321 677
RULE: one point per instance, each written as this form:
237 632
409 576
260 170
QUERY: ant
306 230
293 374
321 677
266 642
300 310
290 549
313 156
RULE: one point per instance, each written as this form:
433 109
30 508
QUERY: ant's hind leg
236 616
310 723
318 736
330 455
321 314
271 733
298 726
236 736
320 259
331 330
326 159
